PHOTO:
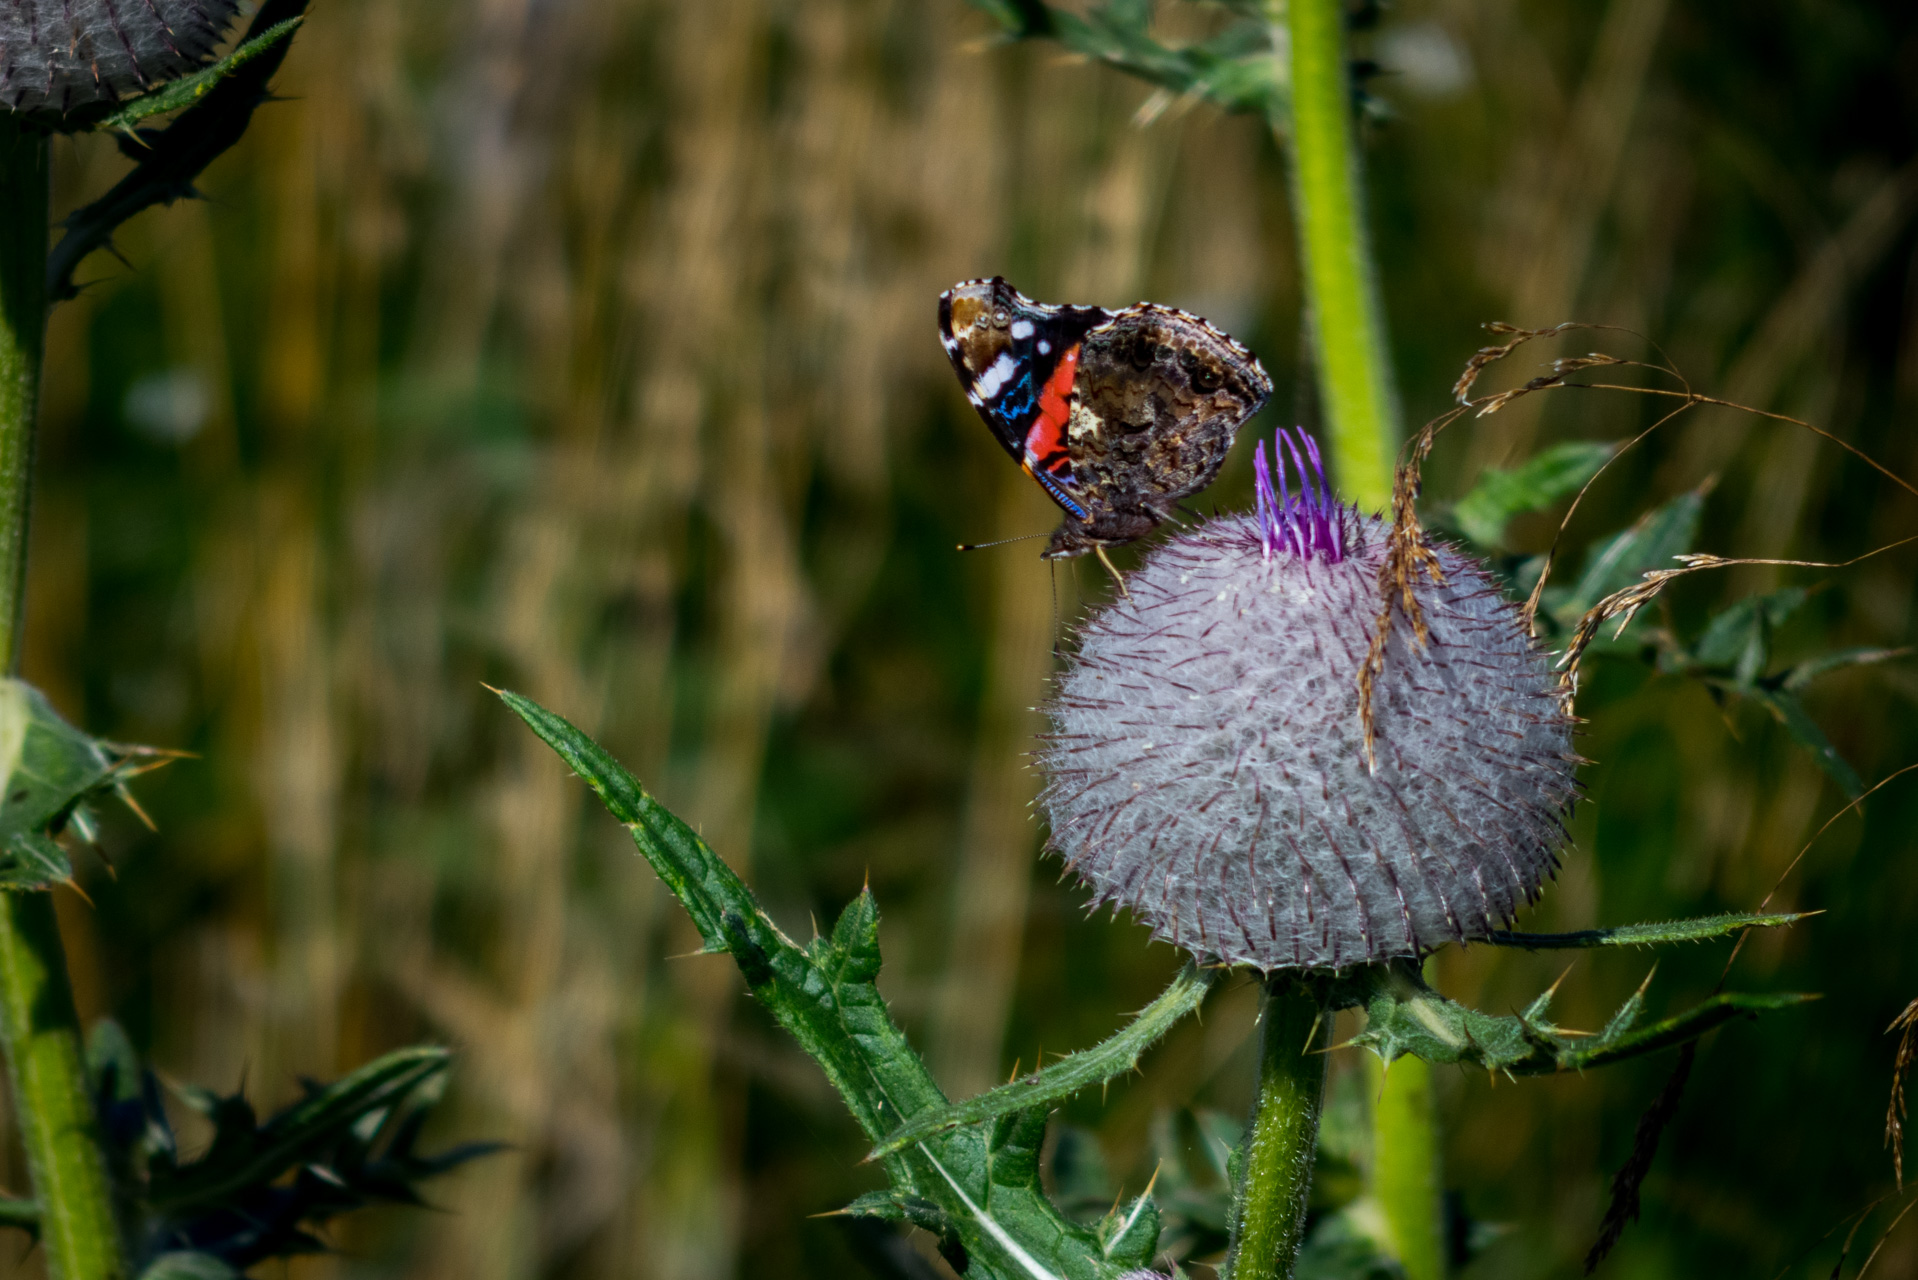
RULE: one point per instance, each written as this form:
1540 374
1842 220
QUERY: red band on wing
1046 441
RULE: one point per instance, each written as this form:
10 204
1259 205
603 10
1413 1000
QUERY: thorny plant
1411 556
113 1195
969 1171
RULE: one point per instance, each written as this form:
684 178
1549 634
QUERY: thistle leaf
1791 713
1803 673
245 1154
1538 482
188 90
50 768
1403 1016
981 1179
1644 935
1113 1057
1235 70
1618 562
1740 636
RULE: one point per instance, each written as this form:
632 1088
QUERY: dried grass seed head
1206 767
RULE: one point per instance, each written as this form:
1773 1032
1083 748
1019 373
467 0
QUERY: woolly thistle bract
1207 769
60 55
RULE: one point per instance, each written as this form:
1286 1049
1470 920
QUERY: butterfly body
1117 414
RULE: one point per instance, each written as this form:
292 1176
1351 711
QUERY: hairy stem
1281 1144
1405 1164
1341 287
24 219
1361 414
41 1031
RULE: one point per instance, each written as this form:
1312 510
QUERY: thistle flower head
60 55
1207 767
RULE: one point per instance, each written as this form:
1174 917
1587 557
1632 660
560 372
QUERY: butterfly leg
1112 569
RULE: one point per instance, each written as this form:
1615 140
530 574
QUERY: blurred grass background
586 347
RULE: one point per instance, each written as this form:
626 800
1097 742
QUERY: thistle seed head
60 55
1206 767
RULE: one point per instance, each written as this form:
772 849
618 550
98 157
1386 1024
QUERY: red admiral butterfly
1117 414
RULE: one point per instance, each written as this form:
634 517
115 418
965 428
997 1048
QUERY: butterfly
1117 414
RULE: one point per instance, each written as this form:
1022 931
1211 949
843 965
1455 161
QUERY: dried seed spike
1907 1022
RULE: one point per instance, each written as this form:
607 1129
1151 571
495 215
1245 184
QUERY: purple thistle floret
1311 524
1207 768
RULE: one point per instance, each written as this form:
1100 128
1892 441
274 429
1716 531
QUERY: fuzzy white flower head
1207 767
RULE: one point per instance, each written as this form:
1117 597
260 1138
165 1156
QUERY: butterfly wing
1017 361
1162 395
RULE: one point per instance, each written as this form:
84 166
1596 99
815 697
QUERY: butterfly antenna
981 546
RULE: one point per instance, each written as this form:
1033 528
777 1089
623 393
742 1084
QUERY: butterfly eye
1001 318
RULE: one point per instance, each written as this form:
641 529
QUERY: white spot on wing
1045 348
1022 329
997 376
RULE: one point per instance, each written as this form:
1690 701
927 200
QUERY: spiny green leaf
50 768
1114 1056
1403 1016
1644 935
1129 1235
1791 713
893 1207
1235 70
170 159
1540 481
188 90
243 1155
984 1183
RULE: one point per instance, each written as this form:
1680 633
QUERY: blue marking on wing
1057 493
1018 400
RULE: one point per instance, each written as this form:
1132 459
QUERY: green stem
24 219
1405 1165
41 1030
1281 1144
1356 388
1361 408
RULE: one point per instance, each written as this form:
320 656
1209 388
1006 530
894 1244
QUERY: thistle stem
38 1024
23 329
1405 1165
1281 1143
1361 415
1341 287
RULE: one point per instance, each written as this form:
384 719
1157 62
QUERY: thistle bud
60 55
1207 767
